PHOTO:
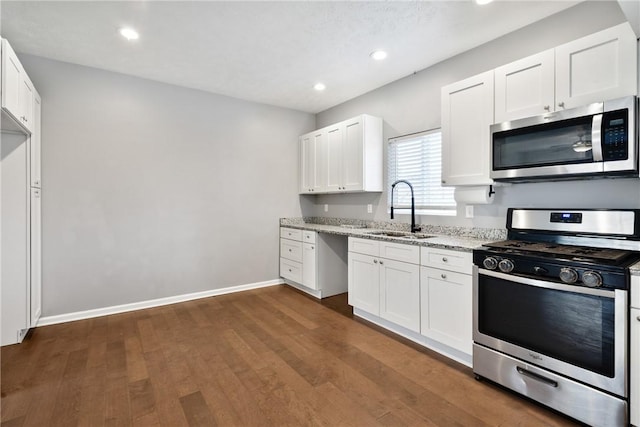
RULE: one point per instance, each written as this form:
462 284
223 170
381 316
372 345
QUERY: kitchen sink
401 234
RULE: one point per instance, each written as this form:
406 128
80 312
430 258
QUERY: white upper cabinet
467 113
597 67
311 145
525 88
348 157
17 90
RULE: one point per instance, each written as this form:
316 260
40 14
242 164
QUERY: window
417 158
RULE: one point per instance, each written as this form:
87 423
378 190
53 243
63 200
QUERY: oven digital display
566 217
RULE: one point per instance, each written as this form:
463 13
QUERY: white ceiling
268 52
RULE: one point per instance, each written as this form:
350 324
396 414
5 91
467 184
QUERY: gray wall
412 104
152 190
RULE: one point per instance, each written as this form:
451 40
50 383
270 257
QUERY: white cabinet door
26 102
596 68
467 113
353 155
11 81
634 397
400 293
311 146
446 308
15 238
36 256
525 88
332 165
309 264
364 283
36 143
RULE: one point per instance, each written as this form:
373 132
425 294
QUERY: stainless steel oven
596 140
551 318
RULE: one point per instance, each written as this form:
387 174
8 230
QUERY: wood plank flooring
267 357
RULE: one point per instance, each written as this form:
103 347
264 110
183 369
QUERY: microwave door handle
596 137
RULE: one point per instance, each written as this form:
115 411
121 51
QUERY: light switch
469 211
369 208
326 207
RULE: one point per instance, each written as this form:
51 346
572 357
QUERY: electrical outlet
469 211
326 208
369 208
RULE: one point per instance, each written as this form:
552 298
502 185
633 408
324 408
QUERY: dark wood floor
267 357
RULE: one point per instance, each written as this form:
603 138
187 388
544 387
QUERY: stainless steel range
551 309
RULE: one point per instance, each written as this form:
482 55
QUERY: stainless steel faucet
413 204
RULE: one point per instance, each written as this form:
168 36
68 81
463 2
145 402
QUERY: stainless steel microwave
600 139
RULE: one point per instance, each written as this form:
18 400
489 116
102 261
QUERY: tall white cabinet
343 158
20 205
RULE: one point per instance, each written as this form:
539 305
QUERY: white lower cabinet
312 262
446 297
385 281
445 301
364 283
634 395
400 293
635 367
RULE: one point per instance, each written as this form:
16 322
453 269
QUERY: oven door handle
548 285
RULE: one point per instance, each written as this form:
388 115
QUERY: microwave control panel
615 136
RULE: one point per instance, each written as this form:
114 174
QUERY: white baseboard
105 311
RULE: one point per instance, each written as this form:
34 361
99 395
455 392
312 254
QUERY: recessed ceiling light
378 55
483 2
319 87
129 33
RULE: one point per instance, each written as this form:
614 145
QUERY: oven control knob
568 275
506 266
592 279
490 263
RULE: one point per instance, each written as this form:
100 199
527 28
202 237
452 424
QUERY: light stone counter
455 238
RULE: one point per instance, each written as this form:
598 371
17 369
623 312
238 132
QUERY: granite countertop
456 238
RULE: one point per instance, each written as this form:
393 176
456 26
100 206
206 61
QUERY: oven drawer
445 259
583 403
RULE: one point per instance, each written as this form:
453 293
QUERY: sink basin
400 234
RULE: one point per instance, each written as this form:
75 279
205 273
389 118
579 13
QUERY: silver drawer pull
375 261
444 276
289 250
380 262
444 259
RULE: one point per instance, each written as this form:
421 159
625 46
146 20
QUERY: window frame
423 187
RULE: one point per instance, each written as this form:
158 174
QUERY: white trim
105 311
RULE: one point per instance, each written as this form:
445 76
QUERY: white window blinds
417 159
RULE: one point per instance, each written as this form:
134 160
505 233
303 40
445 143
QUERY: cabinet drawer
291 249
291 270
447 260
364 246
291 233
309 236
635 291
400 252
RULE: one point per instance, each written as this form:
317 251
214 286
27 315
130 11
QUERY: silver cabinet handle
375 261
547 107
561 104
444 259
311 247
380 262
444 276
289 250
289 270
